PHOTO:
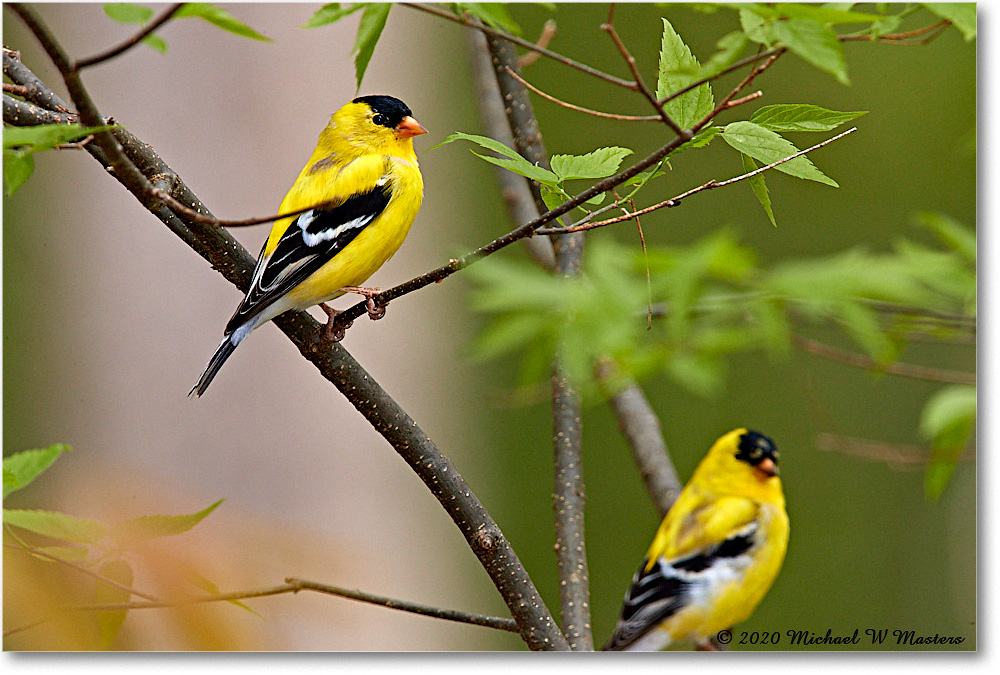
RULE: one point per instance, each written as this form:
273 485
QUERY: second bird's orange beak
767 468
409 127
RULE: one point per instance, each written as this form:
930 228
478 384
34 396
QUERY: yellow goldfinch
716 553
366 186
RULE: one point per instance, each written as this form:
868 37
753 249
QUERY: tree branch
674 201
862 361
568 495
502 35
293 585
641 428
535 624
131 42
588 111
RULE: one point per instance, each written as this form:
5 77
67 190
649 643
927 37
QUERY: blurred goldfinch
364 173
716 553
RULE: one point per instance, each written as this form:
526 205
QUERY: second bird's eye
378 118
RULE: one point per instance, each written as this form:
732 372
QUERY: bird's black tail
225 350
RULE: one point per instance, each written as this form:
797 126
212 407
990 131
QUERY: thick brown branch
535 624
131 42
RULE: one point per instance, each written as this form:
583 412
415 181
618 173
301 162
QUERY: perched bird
716 553
365 186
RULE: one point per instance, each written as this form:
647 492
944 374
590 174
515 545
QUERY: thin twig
862 361
595 113
80 64
15 89
640 85
524 43
293 585
674 201
27 548
544 38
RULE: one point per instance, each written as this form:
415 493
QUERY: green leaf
109 622
46 136
755 27
801 117
369 30
145 528
124 12
955 235
758 186
17 168
56 525
156 42
523 167
675 58
515 163
600 163
220 18
730 48
493 14
961 14
947 420
815 43
26 466
823 14
768 147
330 13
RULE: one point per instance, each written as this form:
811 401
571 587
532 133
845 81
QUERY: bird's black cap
391 109
755 447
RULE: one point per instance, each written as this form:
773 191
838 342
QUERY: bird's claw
332 332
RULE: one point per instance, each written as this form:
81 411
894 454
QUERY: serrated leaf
730 48
493 14
145 528
600 163
961 14
552 199
109 622
675 58
823 14
26 466
330 13
814 43
801 117
17 169
369 31
515 162
9 481
886 25
955 236
947 420
768 147
56 525
758 186
125 12
220 18
155 42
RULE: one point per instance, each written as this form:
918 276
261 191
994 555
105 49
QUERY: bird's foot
375 312
331 332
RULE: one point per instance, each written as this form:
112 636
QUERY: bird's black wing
310 241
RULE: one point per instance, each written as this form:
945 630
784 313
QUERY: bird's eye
378 118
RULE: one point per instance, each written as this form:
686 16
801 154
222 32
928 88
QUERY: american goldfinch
365 185
716 553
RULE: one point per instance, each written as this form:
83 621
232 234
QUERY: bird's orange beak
409 127
767 468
